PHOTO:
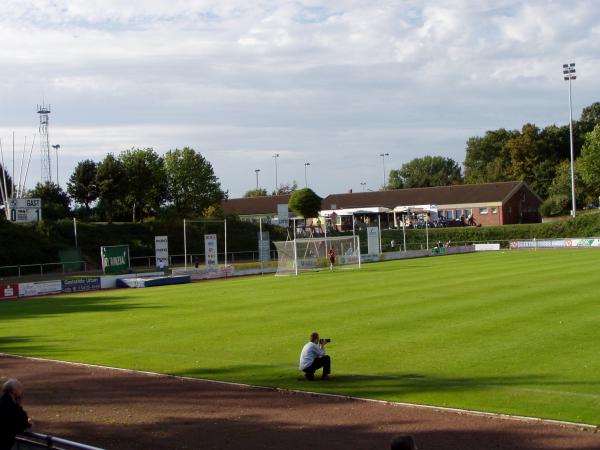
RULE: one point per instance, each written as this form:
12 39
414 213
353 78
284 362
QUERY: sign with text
23 210
373 240
8 291
115 258
264 253
161 249
283 215
82 284
40 288
210 250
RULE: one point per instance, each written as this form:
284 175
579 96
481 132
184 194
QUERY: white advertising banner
210 250
557 243
373 241
161 248
283 215
40 288
487 247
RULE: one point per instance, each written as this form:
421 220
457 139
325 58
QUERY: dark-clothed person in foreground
13 418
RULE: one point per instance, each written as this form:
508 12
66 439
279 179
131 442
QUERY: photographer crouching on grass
313 357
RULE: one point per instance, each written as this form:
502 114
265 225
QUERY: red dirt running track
126 410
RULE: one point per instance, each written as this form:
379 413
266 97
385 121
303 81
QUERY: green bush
555 205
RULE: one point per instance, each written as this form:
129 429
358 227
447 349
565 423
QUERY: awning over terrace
354 211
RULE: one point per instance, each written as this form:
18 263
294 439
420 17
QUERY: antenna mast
44 111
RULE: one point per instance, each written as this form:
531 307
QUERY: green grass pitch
507 332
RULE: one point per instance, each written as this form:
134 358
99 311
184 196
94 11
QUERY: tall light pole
569 74
383 155
306 164
364 185
276 155
56 147
256 172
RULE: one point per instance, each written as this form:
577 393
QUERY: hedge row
583 226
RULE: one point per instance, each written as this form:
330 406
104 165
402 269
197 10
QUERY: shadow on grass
55 306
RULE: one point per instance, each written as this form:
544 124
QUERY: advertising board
210 250
8 291
82 284
557 243
487 247
161 249
115 258
283 215
373 241
40 288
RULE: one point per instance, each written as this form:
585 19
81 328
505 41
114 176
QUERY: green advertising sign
115 258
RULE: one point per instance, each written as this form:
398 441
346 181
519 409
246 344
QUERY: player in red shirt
331 255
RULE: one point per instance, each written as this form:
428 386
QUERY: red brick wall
488 219
522 208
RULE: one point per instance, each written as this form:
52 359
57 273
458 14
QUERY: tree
55 202
260 192
112 184
9 183
146 181
82 186
525 152
395 180
588 164
428 171
305 203
487 158
192 184
561 187
286 188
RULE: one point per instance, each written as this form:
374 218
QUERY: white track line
469 412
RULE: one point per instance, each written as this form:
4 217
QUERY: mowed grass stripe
509 332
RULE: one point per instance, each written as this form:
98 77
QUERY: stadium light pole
364 185
56 147
256 172
276 156
383 155
306 164
569 75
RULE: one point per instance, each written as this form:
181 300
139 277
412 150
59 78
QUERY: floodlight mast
383 155
306 164
44 111
275 156
570 75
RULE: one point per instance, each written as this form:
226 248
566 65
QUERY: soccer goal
298 255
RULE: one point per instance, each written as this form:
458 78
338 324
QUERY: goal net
300 255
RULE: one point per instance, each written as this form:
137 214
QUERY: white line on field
580 426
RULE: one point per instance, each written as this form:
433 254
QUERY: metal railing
42 268
179 259
33 441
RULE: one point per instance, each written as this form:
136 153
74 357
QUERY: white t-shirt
310 352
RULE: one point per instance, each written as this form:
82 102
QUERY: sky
334 84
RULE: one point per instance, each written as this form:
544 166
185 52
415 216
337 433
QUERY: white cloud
337 81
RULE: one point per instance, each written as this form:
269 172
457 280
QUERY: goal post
300 255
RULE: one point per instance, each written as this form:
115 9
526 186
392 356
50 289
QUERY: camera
324 341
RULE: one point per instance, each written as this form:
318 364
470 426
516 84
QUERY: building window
483 210
468 212
458 213
494 210
449 214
